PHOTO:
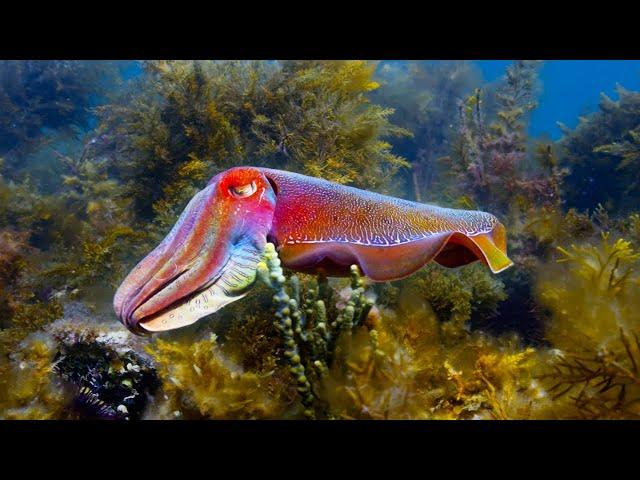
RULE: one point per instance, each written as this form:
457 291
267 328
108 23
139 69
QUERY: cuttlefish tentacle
209 258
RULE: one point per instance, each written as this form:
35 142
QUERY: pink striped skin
317 227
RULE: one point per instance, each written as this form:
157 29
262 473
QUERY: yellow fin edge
495 257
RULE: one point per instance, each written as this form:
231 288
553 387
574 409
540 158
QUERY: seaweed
309 335
45 99
602 153
489 159
29 388
408 365
351 359
591 296
185 121
200 381
22 312
12 263
457 295
424 96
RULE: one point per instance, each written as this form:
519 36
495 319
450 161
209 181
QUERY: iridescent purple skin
206 259
210 256
323 226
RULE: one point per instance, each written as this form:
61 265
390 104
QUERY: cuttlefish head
207 260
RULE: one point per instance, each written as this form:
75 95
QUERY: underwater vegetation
185 121
604 149
594 327
489 159
425 98
46 109
72 369
36 95
348 361
95 169
308 333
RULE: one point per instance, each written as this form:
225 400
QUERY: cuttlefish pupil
209 258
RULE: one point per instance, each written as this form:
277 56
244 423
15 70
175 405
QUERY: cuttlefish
209 258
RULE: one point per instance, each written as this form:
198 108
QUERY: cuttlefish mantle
209 258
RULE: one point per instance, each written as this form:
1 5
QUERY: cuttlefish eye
243 191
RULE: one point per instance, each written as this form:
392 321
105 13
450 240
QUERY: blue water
571 88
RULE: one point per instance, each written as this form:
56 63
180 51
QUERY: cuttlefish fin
489 247
233 283
398 261
392 262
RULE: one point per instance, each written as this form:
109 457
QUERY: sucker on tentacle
209 258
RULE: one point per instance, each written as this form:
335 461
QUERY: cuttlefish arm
208 260
210 257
